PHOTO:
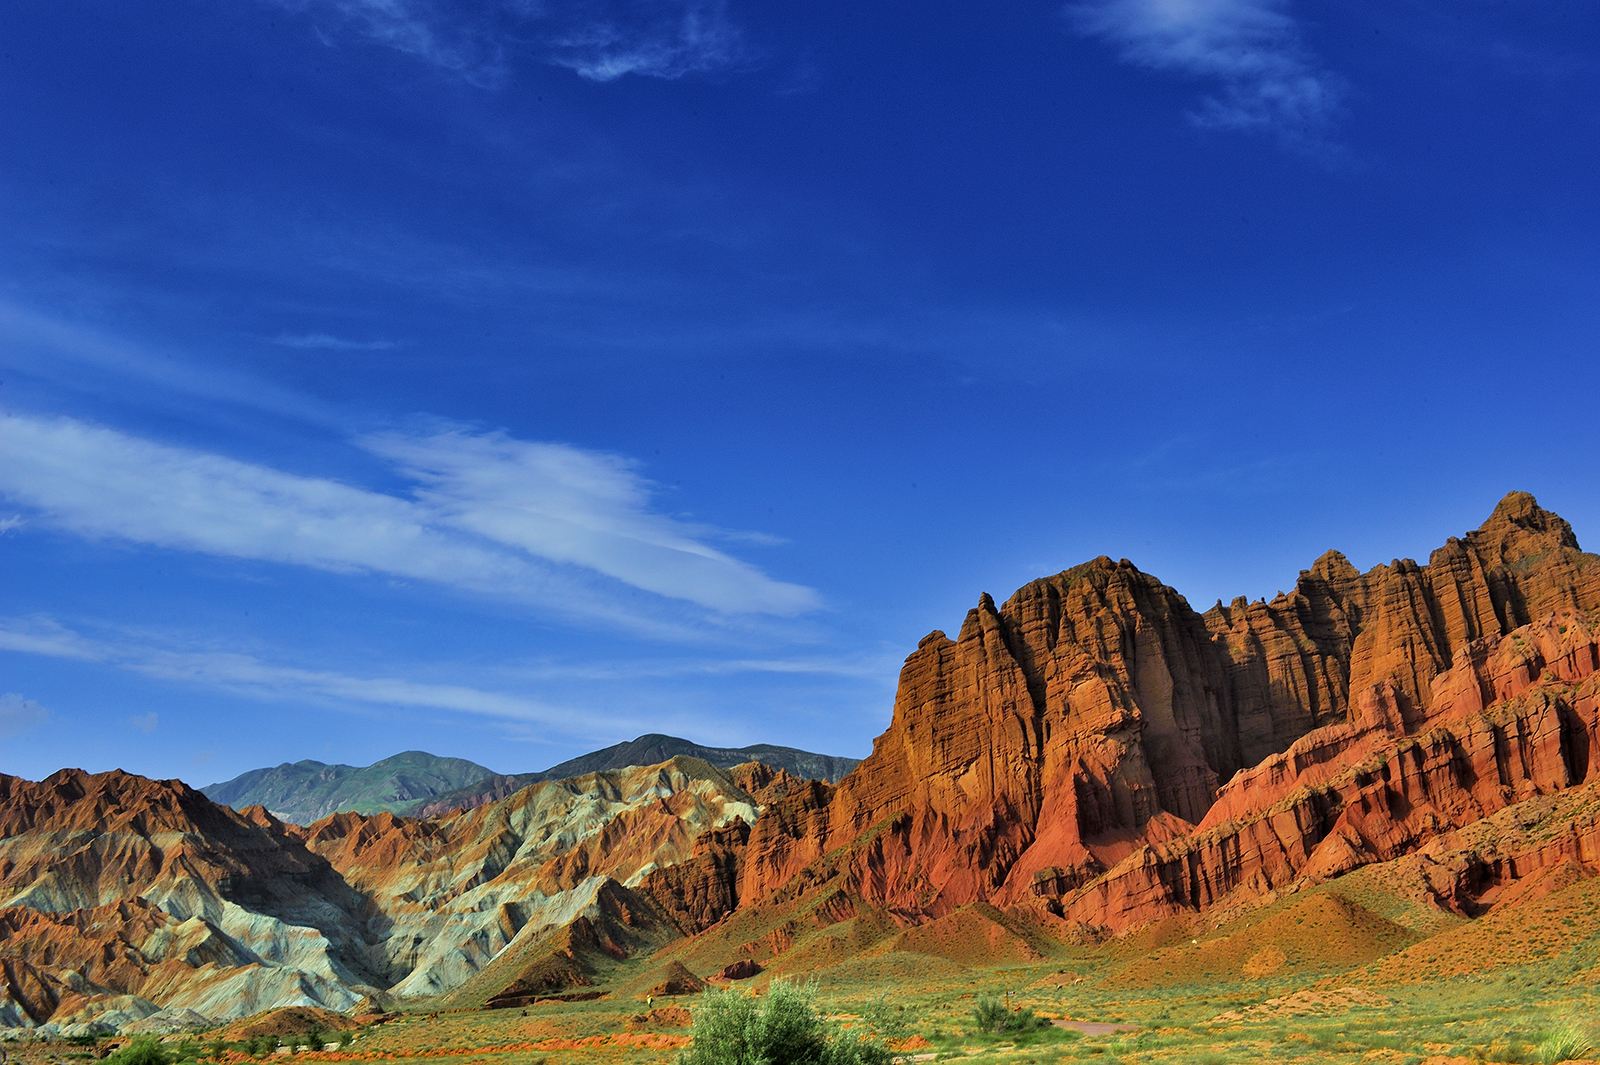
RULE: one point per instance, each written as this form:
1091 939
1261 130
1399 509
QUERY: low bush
992 1017
886 1020
784 1025
143 1050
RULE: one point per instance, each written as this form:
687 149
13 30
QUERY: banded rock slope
121 895
454 892
1097 747
122 898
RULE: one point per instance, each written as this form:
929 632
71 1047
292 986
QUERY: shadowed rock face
1071 744
1515 718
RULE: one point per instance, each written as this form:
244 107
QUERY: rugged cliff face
1091 725
1516 718
453 893
117 892
121 897
701 890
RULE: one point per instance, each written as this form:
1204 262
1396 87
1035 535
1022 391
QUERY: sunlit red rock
1077 743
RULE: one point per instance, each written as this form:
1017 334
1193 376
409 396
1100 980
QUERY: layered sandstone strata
1089 725
121 897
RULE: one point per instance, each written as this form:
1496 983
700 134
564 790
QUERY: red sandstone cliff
1073 744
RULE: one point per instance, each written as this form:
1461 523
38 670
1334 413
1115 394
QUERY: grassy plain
1344 972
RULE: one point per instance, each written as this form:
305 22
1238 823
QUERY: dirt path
1096 1027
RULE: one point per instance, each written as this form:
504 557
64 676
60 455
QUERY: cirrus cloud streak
547 525
599 40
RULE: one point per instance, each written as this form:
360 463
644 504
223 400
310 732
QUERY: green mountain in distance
418 783
648 749
307 790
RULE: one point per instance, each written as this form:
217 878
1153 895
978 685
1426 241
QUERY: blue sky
509 378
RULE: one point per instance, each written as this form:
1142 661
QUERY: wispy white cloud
489 514
251 676
248 675
524 704
601 40
19 714
145 723
580 508
8 524
667 41
880 668
73 355
43 636
1252 51
329 342
464 39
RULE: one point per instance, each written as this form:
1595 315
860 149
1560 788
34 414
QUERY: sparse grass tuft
1511 1051
1566 1043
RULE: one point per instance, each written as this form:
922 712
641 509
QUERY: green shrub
990 1015
143 1050
886 1020
733 1028
993 1018
1566 1043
